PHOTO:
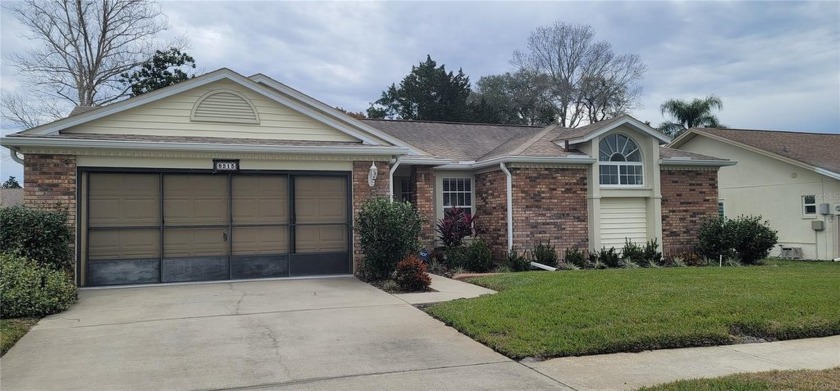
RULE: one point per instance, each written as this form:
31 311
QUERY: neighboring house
11 197
791 179
229 177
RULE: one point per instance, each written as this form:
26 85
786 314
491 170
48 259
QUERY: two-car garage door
174 227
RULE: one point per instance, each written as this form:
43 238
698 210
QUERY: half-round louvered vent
225 106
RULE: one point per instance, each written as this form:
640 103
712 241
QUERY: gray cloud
775 64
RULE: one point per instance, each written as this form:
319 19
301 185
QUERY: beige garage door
172 227
622 219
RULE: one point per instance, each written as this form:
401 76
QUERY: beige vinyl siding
621 219
171 117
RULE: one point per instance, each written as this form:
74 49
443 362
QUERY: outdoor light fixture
372 174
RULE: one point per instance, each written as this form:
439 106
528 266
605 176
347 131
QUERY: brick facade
491 209
362 192
549 204
423 190
50 182
689 196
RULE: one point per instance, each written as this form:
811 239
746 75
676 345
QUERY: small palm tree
687 115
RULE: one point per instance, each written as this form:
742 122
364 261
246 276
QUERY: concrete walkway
447 289
624 371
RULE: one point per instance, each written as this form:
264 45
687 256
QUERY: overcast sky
776 65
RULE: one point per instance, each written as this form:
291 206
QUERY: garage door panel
260 199
124 200
321 200
260 240
124 244
192 242
195 199
329 238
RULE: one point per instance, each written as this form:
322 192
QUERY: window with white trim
721 209
809 205
457 193
406 193
620 161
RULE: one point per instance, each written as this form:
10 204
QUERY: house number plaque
225 165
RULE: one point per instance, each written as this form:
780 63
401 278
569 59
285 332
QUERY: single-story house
233 177
792 179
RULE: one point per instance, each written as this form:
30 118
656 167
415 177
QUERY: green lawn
828 379
11 330
570 313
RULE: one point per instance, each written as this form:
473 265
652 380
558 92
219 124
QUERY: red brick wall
362 192
50 182
491 209
549 204
688 197
424 201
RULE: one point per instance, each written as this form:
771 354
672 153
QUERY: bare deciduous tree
83 46
588 81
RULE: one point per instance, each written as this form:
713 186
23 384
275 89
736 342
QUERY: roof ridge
533 140
768 130
451 122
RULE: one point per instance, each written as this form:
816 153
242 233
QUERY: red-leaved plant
455 225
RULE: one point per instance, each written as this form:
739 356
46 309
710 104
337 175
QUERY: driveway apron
326 333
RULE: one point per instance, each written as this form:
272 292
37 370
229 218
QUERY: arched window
620 161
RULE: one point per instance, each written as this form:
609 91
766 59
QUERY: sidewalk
447 289
633 370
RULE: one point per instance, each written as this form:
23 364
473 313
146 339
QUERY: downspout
509 205
13 152
391 177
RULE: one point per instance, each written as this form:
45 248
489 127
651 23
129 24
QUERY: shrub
388 234
752 238
28 289
455 225
632 252
480 257
576 256
651 253
474 257
41 235
746 238
609 258
692 259
411 275
545 254
517 262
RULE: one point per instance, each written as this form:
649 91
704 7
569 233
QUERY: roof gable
329 126
815 151
589 132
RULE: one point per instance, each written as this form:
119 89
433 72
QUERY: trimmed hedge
41 235
30 290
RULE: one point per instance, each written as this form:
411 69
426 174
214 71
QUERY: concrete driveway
329 333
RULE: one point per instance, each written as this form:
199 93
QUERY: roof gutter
17 142
13 152
699 163
519 159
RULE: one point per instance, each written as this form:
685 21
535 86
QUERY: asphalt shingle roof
820 150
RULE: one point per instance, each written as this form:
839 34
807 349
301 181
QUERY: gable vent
225 106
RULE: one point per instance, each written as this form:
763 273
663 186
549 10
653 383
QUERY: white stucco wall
761 185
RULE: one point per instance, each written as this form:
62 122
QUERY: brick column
50 182
491 209
362 192
689 196
424 201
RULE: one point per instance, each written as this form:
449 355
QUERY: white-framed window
406 193
721 209
809 205
620 161
458 193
